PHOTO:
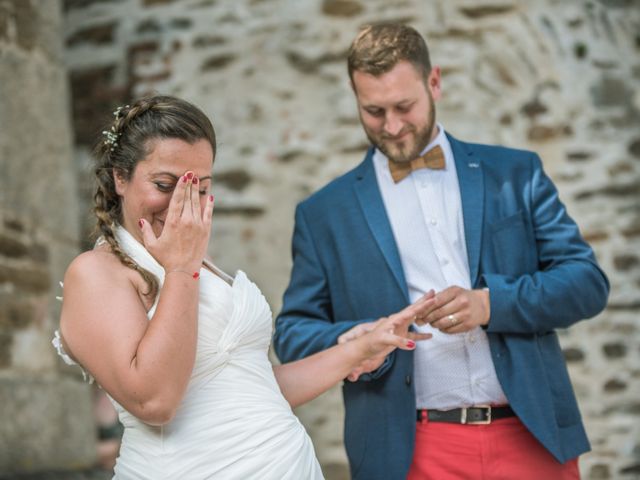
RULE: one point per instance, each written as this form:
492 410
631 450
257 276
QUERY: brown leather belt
481 415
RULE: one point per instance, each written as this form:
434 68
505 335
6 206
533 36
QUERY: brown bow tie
433 159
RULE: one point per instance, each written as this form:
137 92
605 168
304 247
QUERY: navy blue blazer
521 244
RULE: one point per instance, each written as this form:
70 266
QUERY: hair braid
106 209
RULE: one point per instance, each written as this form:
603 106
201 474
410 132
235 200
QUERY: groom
482 226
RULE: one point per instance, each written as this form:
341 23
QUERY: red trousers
502 450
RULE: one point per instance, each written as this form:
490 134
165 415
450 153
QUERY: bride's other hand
357 331
363 351
421 308
381 337
182 244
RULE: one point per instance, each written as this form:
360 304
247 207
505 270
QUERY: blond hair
379 47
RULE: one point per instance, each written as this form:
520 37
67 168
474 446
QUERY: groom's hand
457 310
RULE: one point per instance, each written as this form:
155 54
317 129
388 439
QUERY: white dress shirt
425 211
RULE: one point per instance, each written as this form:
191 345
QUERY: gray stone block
46 423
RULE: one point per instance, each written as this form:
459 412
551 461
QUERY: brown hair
380 47
126 142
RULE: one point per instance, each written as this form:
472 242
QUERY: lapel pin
474 165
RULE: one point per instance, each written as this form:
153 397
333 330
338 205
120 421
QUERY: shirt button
407 380
472 338
433 221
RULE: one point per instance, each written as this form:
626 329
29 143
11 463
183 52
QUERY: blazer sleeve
569 285
306 324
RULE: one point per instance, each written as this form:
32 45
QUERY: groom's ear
434 84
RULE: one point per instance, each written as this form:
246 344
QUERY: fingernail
184 179
190 175
211 198
140 223
195 180
411 344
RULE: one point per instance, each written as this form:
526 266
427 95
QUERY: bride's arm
144 364
303 380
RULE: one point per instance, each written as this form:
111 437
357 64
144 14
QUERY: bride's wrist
195 274
184 268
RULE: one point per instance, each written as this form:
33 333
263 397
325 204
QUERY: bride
181 347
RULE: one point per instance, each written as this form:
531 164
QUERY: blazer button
407 380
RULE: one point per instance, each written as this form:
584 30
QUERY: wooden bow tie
433 159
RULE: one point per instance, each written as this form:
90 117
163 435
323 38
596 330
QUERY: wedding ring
452 319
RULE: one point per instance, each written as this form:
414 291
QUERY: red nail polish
196 275
195 180
411 343
190 175
184 179
140 223
211 198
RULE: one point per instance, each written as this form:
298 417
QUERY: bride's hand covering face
166 203
182 242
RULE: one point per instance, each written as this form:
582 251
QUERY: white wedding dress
233 422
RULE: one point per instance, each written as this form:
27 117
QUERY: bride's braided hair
128 140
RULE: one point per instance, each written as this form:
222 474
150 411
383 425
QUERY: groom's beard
409 148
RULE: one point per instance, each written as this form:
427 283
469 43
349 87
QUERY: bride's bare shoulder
94 267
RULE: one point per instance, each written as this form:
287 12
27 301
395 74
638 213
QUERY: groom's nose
392 124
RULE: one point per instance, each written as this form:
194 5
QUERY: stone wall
45 413
558 77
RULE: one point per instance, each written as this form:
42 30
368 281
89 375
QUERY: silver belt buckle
464 421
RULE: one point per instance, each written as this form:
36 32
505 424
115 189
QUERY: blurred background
558 77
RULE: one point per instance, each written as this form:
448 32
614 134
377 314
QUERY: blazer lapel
471 182
368 194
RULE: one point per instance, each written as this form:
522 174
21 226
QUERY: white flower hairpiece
111 138
112 135
118 111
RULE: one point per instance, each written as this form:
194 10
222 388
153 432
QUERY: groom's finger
413 313
427 305
430 294
423 306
